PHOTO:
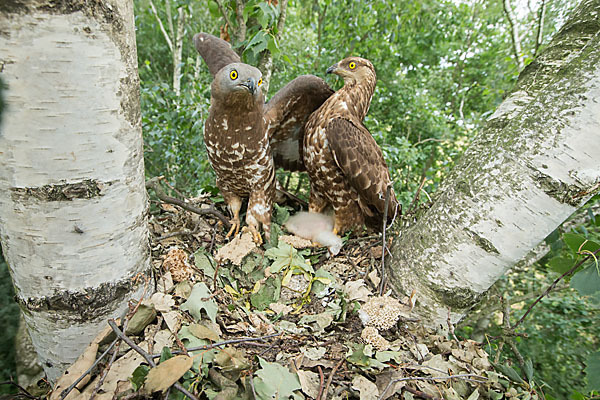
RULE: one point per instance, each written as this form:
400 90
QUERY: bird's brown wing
286 114
215 52
359 157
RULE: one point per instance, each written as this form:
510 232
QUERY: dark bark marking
86 189
84 305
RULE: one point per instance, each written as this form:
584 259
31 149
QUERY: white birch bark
534 163
72 198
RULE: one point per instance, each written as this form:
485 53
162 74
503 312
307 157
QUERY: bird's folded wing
361 160
286 114
215 52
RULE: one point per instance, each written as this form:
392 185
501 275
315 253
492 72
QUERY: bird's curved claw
255 234
235 227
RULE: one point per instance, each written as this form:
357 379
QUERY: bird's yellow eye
233 74
260 82
352 65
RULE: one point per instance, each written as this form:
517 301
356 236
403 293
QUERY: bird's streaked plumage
346 166
247 139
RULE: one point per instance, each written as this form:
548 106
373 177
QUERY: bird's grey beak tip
331 69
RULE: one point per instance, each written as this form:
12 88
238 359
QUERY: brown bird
247 139
345 165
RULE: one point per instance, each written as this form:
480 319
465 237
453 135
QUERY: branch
225 15
162 27
154 184
540 28
514 30
146 356
383 243
553 285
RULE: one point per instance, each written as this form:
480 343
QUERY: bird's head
239 80
353 69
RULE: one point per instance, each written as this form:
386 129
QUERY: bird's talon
235 226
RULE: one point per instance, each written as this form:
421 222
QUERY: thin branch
161 26
223 343
421 394
383 239
540 28
153 183
330 378
68 390
225 15
24 391
553 285
146 356
169 17
514 29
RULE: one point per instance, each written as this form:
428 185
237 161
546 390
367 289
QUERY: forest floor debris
232 320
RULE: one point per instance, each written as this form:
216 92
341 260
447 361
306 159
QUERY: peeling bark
72 198
531 166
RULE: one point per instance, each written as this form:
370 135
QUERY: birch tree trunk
72 198
534 163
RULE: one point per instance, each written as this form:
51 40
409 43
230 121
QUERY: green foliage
9 320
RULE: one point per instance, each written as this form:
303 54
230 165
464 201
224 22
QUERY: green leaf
200 299
586 281
165 354
274 381
202 260
273 46
579 243
138 377
592 370
509 372
529 369
358 357
561 264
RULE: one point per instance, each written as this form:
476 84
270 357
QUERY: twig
383 244
466 377
146 356
322 381
421 394
330 378
154 184
417 195
161 26
68 390
110 363
21 388
451 327
223 343
553 285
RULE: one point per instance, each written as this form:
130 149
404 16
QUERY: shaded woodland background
443 68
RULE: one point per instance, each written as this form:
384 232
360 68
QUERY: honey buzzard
245 138
345 165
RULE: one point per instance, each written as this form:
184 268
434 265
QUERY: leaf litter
232 320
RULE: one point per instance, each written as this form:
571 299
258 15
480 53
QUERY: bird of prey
345 165
245 138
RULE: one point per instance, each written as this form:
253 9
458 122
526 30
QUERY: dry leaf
357 290
296 241
310 383
173 320
162 302
281 308
368 390
202 331
237 249
164 375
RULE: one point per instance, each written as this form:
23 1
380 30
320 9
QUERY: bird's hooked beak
332 69
251 85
